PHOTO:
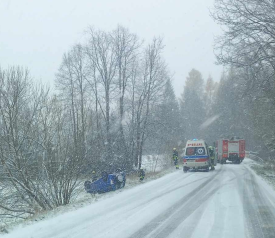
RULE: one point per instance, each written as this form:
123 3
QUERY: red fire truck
232 150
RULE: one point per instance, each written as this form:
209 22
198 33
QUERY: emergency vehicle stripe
201 160
195 157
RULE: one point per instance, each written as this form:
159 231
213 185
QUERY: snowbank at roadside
155 166
265 182
155 163
265 169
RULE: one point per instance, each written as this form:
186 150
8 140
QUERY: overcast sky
36 33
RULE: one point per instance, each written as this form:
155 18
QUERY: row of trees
109 100
243 103
110 85
114 102
247 47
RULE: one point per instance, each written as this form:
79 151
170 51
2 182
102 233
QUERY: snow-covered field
231 201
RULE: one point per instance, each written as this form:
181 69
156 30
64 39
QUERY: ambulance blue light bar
195 139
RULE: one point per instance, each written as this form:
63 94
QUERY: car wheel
119 178
87 185
185 169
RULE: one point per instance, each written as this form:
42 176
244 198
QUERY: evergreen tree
210 88
192 108
170 116
232 108
165 127
195 82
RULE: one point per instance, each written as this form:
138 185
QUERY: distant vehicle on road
196 155
107 183
232 150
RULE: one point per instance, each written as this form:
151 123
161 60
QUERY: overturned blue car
108 182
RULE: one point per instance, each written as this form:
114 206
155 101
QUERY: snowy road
229 202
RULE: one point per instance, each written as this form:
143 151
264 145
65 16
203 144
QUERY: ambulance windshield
195 151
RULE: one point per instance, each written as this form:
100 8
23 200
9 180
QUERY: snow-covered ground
156 163
231 201
155 166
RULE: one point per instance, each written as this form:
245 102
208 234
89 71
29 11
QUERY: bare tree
62 169
126 46
101 52
248 40
38 168
20 104
248 43
71 82
153 78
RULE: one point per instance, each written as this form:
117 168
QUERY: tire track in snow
134 195
93 221
167 192
181 215
168 184
178 212
220 223
258 210
147 202
189 209
259 218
